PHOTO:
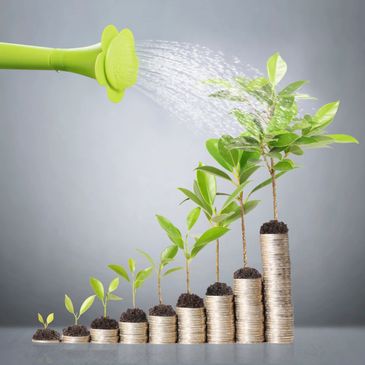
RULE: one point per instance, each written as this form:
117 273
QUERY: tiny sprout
46 322
137 279
166 257
98 288
85 306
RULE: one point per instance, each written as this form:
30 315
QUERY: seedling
205 192
85 306
48 320
273 128
98 288
136 280
177 239
166 257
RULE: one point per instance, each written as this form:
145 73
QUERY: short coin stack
75 339
133 332
191 325
220 318
249 310
162 329
104 336
277 288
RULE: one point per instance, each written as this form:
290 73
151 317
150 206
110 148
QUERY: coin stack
45 341
249 310
191 325
133 332
220 318
162 329
104 336
277 288
75 339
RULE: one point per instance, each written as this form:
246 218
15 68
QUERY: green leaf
342 138
168 254
68 304
296 150
172 232
249 122
147 256
218 82
250 205
247 172
206 207
294 86
120 270
192 218
228 95
207 186
174 269
284 165
235 194
87 303
207 237
212 147
265 183
196 200
113 285
214 171
40 318
144 274
98 288
326 113
50 318
231 156
114 297
276 68
284 140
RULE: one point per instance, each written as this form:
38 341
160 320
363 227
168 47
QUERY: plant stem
104 304
76 320
134 294
273 184
217 261
159 286
187 268
243 230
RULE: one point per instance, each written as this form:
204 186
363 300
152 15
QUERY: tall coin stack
220 318
133 332
104 336
162 329
249 310
277 288
191 325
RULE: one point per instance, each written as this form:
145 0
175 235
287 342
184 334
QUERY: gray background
81 178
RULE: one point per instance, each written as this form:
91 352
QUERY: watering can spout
112 62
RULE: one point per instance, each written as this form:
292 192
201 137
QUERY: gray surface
81 178
325 346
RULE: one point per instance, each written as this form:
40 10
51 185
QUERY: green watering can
113 62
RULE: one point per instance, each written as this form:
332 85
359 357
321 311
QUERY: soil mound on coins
162 310
133 315
247 273
274 227
104 323
76 331
46 334
219 289
187 300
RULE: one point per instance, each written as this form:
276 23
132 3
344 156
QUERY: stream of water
172 74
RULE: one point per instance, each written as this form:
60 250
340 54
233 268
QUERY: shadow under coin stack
249 308
102 336
277 288
191 325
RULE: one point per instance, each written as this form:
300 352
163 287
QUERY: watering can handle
24 57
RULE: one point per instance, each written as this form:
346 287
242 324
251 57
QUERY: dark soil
135 315
162 310
104 323
219 289
247 273
187 300
274 227
76 331
46 334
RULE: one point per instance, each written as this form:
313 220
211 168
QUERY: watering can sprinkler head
113 62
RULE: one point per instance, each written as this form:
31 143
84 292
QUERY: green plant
85 306
273 127
177 239
205 192
48 320
98 288
165 258
136 280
